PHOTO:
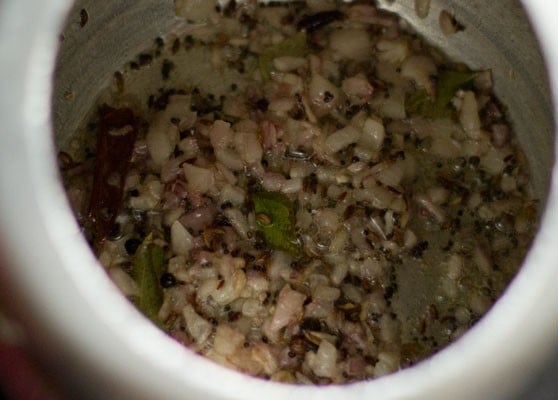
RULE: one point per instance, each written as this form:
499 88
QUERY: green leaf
449 82
275 218
294 46
148 268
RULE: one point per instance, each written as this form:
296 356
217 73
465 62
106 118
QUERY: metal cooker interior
118 354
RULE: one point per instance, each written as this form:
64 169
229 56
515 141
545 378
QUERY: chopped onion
198 179
323 362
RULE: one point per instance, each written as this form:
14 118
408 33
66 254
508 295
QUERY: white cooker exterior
96 344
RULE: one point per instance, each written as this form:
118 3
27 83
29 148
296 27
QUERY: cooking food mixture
312 195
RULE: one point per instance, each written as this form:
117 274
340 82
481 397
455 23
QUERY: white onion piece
178 108
248 147
161 139
484 80
292 186
227 340
351 44
229 158
232 194
198 179
288 309
387 363
323 362
469 115
420 69
172 169
189 147
327 220
286 63
341 139
500 134
392 51
238 221
197 327
493 161
198 219
123 281
181 240
433 209
324 96
357 88
235 107
233 277
220 134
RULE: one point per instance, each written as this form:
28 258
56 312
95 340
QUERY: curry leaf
449 82
148 268
294 46
275 218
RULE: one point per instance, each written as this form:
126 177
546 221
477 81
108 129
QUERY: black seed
474 160
83 17
262 104
145 59
166 69
419 249
131 245
175 46
168 280
115 232
328 96
225 205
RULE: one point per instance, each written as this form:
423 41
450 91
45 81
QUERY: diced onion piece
323 362
421 69
123 281
392 50
232 194
197 327
181 240
227 340
229 158
220 134
238 221
351 44
323 95
161 139
387 363
373 134
199 179
234 280
341 139
289 308
493 161
357 88
286 63
248 146
469 116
